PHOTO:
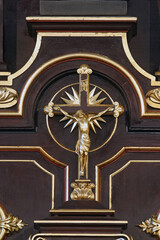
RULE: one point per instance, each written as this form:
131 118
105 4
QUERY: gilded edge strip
122 151
37 18
120 170
36 236
85 55
48 157
11 77
5 73
81 221
135 64
83 210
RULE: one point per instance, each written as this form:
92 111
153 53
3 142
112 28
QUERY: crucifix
84 110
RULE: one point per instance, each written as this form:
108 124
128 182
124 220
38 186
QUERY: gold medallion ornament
83 110
9 223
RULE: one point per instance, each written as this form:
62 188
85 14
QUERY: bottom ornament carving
152 225
9 223
82 190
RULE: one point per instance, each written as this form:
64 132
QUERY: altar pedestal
87 219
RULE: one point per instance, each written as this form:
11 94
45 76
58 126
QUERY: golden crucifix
84 142
83 110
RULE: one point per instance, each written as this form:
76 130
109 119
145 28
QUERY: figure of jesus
83 143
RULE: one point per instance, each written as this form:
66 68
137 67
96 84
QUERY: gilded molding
98 222
9 223
152 225
48 157
153 98
8 97
122 151
62 210
44 170
120 170
11 77
104 59
152 78
34 148
39 238
40 35
98 235
157 73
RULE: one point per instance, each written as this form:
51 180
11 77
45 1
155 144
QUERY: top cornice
82 24
107 19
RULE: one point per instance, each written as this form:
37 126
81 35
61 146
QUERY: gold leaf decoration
8 97
152 225
9 223
82 191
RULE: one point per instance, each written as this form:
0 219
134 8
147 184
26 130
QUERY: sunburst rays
74 99
93 99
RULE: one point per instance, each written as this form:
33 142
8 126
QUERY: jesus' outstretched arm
64 112
100 114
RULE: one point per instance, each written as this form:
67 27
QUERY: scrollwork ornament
84 69
153 98
152 225
8 97
117 109
49 109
